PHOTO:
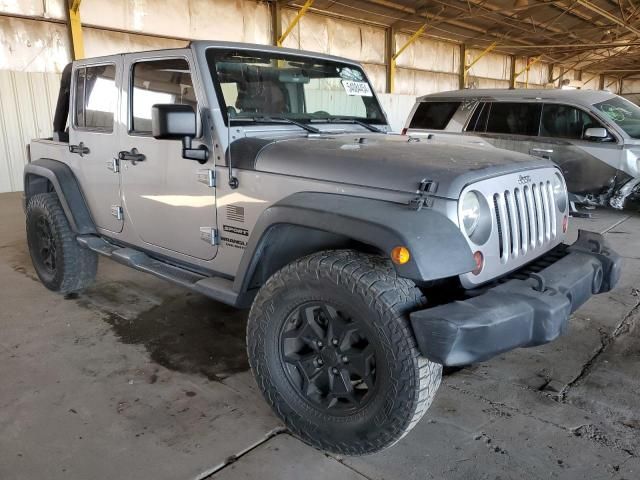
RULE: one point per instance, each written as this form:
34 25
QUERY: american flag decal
235 213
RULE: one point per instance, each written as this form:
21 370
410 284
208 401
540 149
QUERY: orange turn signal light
400 255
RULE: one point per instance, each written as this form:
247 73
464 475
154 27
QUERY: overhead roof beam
453 21
608 15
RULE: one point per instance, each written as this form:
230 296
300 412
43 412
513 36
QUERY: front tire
330 346
60 262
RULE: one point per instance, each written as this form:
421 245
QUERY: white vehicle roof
586 97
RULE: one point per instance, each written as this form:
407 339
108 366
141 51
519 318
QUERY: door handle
79 149
133 156
541 152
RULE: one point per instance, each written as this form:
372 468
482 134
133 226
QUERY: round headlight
470 213
559 192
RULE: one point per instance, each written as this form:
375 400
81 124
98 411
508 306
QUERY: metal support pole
463 64
276 22
512 72
75 30
601 82
390 48
294 22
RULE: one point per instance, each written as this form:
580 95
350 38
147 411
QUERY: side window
96 97
514 118
434 115
158 81
564 121
478 120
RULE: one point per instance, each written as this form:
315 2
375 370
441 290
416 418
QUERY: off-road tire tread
77 266
374 279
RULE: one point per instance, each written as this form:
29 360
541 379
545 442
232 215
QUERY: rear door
509 125
442 121
93 137
586 164
169 201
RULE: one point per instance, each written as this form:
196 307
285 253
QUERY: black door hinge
424 192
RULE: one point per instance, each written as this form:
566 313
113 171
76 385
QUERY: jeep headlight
475 217
470 213
559 192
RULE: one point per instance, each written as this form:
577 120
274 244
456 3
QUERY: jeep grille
526 219
525 222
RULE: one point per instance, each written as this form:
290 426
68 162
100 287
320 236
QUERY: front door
587 165
169 202
93 138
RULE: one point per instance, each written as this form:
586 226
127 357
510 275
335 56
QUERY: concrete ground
139 379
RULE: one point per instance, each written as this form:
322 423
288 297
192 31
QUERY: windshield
261 85
622 112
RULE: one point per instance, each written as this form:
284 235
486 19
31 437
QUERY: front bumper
522 312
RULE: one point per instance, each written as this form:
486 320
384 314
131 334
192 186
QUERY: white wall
27 103
397 108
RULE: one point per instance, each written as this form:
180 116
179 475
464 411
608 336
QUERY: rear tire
60 262
331 348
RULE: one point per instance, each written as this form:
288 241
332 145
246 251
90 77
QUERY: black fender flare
66 186
438 248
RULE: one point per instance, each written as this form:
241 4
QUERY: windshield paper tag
360 89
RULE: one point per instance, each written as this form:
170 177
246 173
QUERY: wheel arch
307 222
47 175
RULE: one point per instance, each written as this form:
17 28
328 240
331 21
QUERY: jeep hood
389 162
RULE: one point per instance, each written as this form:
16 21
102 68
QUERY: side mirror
178 122
596 134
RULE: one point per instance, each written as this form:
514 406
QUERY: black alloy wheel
45 251
328 358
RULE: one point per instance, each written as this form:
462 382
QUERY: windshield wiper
354 121
270 119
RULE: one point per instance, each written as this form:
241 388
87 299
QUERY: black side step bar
218 288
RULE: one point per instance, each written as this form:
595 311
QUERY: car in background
593 136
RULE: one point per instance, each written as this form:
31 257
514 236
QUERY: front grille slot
498 225
525 219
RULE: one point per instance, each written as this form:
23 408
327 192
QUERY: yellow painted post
394 57
530 63
75 26
475 60
295 21
392 75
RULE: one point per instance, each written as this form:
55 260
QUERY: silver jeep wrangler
263 177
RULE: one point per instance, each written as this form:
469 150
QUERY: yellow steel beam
412 39
75 26
584 82
468 66
295 21
394 57
530 63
